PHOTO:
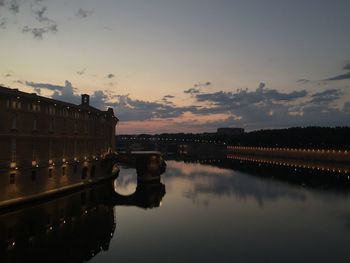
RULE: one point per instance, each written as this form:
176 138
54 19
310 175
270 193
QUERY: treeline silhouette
297 137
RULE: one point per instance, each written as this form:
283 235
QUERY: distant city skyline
185 66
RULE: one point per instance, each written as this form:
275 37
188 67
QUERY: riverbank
292 153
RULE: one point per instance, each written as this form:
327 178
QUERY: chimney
85 99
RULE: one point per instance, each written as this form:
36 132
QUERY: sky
185 65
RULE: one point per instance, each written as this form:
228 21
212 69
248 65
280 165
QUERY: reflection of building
47 145
71 228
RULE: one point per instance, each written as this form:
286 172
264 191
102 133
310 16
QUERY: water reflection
73 227
220 212
208 179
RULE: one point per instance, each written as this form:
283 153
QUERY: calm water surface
212 214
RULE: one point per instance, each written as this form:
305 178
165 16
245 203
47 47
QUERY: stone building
49 145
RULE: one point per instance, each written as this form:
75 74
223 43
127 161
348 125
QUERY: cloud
347 66
110 76
243 97
44 25
192 91
129 109
256 109
66 93
8 75
341 76
14 6
201 84
269 108
326 96
166 99
39 14
44 86
3 23
304 81
99 99
81 72
38 32
82 13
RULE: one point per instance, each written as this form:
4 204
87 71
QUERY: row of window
33 175
53 110
51 124
35 147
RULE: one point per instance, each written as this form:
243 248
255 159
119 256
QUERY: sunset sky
185 65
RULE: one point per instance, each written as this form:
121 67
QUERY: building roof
33 96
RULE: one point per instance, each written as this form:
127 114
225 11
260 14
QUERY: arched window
93 170
35 124
52 124
13 150
76 127
14 121
84 172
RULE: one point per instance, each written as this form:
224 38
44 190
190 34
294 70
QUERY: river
213 214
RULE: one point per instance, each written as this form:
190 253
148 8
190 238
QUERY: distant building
230 131
47 145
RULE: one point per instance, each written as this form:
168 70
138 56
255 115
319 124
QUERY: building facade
48 145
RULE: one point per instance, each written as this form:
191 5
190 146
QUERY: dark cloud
340 77
110 76
347 66
202 84
38 32
108 28
261 85
257 109
81 72
99 99
304 81
82 13
167 100
192 91
46 25
43 86
3 23
243 97
66 93
14 6
8 75
266 108
129 109
326 96
39 15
